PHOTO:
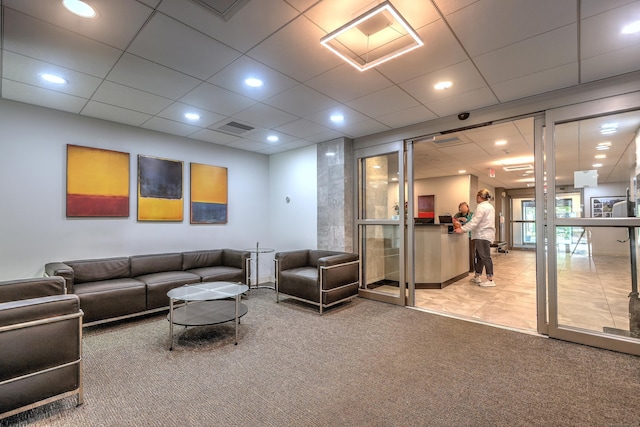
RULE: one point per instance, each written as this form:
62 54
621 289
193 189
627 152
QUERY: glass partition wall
592 247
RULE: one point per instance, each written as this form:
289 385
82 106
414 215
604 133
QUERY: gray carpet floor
361 364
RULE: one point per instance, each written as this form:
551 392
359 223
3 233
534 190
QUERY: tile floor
592 293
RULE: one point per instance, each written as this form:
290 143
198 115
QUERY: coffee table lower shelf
205 313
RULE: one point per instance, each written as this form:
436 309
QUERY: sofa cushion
156 263
301 282
200 259
158 284
219 274
314 255
111 298
92 270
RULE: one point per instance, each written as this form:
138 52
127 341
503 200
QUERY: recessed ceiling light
443 85
253 82
192 116
632 28
53 78
337 118
600 156
273 138
501 142
79 8
330 154
597 165
603 146
609 128
462 171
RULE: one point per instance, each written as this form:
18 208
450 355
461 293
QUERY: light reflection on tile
592 293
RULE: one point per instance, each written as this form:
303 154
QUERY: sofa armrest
63 270
15 290
235 258
339 270
291 259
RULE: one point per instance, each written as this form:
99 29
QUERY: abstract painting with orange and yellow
97 182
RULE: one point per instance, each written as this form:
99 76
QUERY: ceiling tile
56 45
463 75
167 42
216 99
265 116
610 64
350 115
483 27
177 110
114 114
550 50
248 145
302 128
246 28
601 33
407 117
118 21
42 97
260 135
169 126
463 102
345 83
137 72
593 7
301 101
234 75
27 70
383 102
535 83
441 49
129 98
296 51
214 136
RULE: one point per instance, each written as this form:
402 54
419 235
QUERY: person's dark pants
483 257
472 255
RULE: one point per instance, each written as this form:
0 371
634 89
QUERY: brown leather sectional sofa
40 344
116 288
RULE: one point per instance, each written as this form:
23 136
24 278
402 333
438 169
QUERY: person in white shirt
483 232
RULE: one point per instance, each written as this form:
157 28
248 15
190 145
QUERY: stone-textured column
335 195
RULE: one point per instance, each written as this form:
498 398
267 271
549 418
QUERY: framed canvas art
97 182
208 194
160 194
602 207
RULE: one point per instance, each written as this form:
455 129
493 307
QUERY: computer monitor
445 219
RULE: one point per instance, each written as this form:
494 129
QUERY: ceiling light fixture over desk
372 38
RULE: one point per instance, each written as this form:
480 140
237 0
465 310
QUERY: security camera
463 116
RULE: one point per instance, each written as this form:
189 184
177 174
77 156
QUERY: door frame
361 222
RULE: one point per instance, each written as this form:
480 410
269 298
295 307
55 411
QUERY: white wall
33 224
293 225
449 191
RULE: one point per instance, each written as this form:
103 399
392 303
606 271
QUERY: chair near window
318 277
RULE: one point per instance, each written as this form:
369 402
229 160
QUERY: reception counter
441 258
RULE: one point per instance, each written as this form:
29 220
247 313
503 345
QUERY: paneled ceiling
146 63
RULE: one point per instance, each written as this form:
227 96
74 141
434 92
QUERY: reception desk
441 258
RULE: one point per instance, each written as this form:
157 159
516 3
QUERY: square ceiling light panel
374 37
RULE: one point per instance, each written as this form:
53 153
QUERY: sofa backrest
92 270
314 255
21 289
156 263
200 259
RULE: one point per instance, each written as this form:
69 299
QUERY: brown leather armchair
318 277
40 344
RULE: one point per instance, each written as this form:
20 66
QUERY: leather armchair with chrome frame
318 277
40 344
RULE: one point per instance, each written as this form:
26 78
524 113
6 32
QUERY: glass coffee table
207 303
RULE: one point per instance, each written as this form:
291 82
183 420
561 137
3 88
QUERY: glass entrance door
592 235
380 221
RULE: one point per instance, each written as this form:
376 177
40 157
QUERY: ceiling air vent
223 9
446 141
235 128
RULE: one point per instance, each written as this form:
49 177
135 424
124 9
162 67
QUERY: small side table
258 250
